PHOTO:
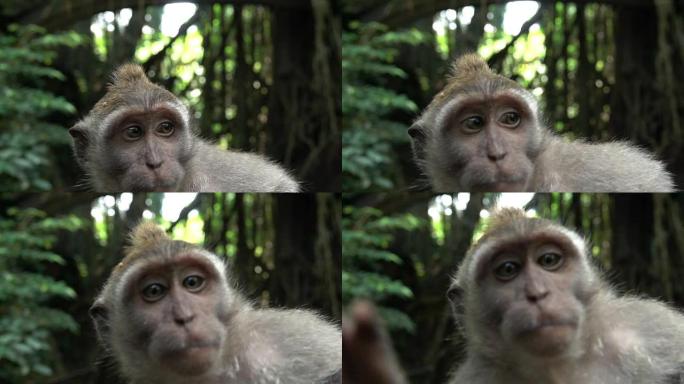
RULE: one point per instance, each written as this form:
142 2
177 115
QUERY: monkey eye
550 261
153 292
473 124
133 132
510 119
507 270
165 129
194 283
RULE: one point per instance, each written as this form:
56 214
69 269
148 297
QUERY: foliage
366 237
368 51
26 319
26 54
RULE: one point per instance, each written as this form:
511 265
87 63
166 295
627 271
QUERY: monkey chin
501 187
488 179
153 184
549 340
193 360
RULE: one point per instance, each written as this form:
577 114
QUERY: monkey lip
192 348
545 326
194 345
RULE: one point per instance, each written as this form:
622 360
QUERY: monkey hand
367 350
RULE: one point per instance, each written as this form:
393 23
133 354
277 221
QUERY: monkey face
480 133
147 150
532 296
173 314
484 144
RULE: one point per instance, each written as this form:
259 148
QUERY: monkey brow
188 258
518 243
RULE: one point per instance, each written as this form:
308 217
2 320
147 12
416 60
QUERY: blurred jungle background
55 255
260 75
400 249
603 70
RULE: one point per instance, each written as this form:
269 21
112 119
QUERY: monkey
139 137
533 308
169 314
484 132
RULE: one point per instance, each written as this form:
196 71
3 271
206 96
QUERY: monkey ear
418 138
79 133
98 312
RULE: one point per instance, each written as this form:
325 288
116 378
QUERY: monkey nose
536 295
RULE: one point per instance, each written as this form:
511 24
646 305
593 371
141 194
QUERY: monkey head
164 308
524 287
136 138
480 133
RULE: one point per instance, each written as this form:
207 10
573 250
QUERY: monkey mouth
547 324
192 347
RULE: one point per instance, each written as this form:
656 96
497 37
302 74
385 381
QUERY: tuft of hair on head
147 233
469 64
128 73
504 216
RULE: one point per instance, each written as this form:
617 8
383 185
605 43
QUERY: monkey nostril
182 320
496 157
537 296
153 164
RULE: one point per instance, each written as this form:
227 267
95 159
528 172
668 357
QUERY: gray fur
235 172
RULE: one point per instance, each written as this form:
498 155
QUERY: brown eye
193 283
133 132
550 261
510 119
165 129
473 124
153 292
507 270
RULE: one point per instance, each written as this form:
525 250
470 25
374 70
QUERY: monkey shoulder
617 166
218 170
302 347
644 336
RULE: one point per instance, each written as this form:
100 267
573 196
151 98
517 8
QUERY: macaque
484 132
534 309
139 137
169 314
